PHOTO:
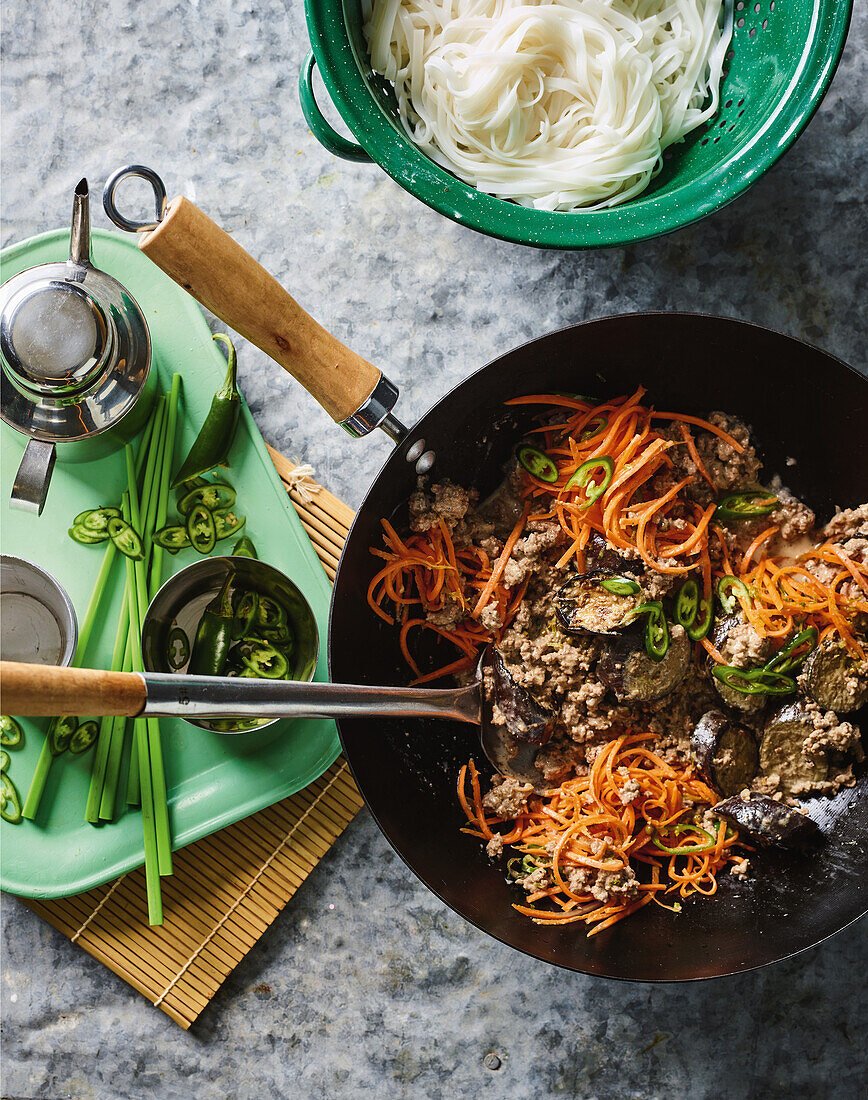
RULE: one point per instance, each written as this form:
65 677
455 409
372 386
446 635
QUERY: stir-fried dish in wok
681 637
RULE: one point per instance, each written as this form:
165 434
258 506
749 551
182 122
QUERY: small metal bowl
183 598
38 620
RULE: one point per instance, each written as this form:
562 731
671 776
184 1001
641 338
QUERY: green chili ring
172 538
227 523
216 496
10 802
584 477
80 534
177 648
701 627
687 604
537 464
201 530
620 586
656 629
10 732
746 505
60 733
728 588
125 538
783 661
264 660
84 737
710 843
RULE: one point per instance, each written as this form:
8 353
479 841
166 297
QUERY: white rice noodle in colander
555 105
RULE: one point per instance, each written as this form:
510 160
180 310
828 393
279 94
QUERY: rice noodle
553 104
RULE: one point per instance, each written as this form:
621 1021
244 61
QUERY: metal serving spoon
37 690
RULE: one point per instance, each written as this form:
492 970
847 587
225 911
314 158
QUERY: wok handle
195 252
37 690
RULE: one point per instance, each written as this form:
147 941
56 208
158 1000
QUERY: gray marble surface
388 993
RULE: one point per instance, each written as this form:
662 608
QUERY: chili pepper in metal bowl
214 634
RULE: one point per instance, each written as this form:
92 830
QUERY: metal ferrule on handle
170 695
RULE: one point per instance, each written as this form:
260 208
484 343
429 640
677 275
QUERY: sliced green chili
125 538
177 648
620 586
87 538
246 609
757 681
10 802
227 524
60 733
10 732
244 548
84 737
746 505
97 520
687 604
214 440
270 613
788 659
585 478
701 626
594 427
686 851
728 589
201 530
172 538
5 759
186 487
537 463
264 660
215 497
656 629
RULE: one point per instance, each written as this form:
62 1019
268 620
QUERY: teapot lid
74 345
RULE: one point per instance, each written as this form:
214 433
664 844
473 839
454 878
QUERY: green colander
780 63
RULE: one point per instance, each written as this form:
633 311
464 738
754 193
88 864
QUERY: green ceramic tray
212 780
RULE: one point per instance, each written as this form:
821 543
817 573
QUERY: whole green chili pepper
212 444
244 548
213 635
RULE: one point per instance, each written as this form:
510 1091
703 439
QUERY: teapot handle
209 264
30 487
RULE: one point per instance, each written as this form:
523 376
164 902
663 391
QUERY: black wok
809 413
803 404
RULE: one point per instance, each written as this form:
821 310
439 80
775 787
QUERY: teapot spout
79 235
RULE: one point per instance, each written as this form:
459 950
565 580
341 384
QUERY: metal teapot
75 355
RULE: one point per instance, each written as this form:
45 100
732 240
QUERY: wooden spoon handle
34 690
216 270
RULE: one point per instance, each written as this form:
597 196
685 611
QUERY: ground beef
794 518
831 736
444 500
507 796
846 523
726 467
494 848
744 648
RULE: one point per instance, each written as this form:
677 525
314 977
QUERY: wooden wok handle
35 690
216 270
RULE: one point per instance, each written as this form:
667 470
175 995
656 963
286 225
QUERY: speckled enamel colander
779 65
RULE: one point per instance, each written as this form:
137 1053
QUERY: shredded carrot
500 564
581 834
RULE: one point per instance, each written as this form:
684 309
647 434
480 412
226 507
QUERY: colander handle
321 129
216 270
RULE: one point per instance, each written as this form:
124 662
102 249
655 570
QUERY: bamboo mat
227 888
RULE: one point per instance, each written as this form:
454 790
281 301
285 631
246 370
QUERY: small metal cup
37 619
183 598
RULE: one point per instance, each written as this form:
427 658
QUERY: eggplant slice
627 670
584 606
723 638
725 752
524 718
600 555
783 739
835 679
769 822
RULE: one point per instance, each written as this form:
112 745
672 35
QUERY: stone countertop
367 984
